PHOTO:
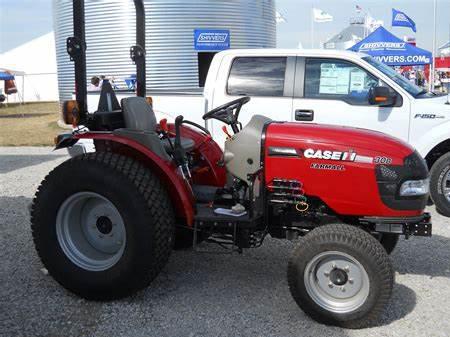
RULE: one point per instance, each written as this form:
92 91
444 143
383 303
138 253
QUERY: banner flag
402 20
321 16
279 18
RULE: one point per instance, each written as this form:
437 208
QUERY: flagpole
312 27
434 47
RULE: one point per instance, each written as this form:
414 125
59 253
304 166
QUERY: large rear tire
341 275
102 225
440 184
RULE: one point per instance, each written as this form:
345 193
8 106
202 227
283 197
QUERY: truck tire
440 184
389 241
102 225
341 275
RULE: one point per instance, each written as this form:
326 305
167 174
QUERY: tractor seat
186 143
139 116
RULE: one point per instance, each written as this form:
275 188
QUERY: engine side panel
336 165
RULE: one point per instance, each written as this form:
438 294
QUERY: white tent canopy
35 64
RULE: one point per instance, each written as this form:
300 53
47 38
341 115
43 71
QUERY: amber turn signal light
149 100
71 112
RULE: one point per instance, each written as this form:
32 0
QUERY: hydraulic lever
179 153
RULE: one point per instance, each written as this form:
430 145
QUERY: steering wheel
228 113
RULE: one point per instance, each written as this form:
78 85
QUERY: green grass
33 124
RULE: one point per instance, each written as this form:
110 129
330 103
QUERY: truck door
335 91
268 80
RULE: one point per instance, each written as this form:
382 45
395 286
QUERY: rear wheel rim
90 231
336 282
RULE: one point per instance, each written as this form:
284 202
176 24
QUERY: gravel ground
197 294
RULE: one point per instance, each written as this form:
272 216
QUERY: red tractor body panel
207 153
335 164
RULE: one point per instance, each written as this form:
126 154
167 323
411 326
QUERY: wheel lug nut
327 273
343 289
350 280
330 284
333 266
347 268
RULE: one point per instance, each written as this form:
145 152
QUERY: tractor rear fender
179 192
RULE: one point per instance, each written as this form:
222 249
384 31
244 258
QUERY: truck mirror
381 96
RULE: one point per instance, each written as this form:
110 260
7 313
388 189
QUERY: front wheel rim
337 282
90 231
446 185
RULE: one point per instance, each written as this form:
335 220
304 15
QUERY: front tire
440 184
102 225
341 275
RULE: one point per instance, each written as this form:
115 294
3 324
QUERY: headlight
415 187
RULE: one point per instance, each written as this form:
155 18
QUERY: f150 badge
428 116
329 155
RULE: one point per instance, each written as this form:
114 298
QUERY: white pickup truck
327 87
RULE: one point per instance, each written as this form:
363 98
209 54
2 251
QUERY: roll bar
76 48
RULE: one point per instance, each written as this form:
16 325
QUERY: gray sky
23 20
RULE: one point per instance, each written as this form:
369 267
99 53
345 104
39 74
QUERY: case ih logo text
329 155
212 38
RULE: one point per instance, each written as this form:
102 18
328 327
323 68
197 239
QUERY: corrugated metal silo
172 61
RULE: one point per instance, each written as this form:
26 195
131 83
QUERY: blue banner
402 20
211 39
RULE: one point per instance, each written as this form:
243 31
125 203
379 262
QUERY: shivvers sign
382 46
211 39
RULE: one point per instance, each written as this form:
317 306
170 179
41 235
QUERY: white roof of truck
299 52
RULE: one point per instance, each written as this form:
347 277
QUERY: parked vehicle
326 87
104 223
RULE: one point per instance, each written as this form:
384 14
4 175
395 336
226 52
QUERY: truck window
257 76
338 80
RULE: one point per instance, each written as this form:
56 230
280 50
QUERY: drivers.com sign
211 39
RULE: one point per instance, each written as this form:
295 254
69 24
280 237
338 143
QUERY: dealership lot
197 294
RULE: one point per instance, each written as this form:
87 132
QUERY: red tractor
105 223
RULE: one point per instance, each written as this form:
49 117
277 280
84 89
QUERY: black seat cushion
186 143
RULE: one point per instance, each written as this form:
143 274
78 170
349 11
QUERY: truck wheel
389 241
440 184
341 275
102 225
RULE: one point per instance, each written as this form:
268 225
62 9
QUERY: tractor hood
330 137
353 171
